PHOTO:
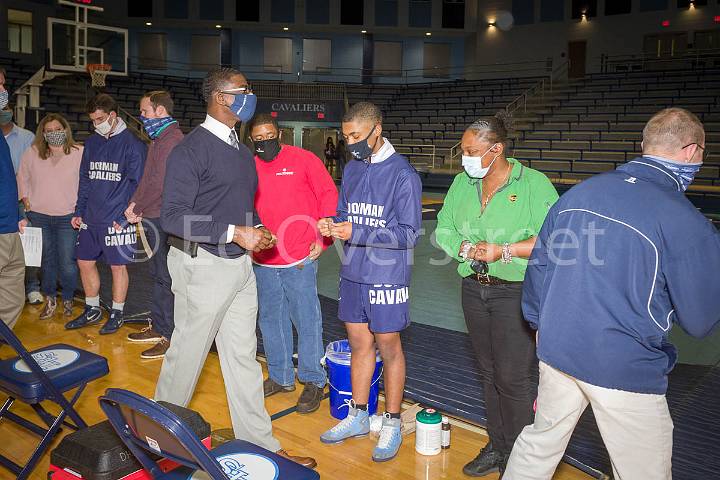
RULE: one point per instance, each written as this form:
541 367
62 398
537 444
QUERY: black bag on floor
97 453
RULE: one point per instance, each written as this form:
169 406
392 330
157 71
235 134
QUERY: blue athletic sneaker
389 441
356 424
114 323
90 316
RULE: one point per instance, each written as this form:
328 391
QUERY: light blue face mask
473 165
684 172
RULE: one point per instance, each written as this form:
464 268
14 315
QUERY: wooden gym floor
299 434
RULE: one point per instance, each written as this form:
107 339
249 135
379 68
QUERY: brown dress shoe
308 462
157 351
146 335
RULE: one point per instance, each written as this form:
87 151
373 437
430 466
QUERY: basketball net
98 72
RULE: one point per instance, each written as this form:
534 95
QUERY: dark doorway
576 59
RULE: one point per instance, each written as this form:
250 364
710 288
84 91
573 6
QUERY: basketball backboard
73 44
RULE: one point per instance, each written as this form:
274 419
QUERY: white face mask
473 165
104 128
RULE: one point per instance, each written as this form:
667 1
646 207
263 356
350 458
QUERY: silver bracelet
506 255
465 250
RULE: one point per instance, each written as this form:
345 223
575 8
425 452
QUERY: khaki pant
636 428
12 278
216 299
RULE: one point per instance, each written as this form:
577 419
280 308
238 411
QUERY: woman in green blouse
489 222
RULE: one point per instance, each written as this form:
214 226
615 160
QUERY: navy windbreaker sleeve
182 183
692 280
408 207
84 184
342 207
534 281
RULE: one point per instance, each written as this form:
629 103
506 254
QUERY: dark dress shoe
308 462
310 398
487 461
271 387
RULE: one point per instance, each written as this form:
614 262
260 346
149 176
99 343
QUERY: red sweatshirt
294 192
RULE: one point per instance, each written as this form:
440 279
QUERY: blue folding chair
44 375
149 428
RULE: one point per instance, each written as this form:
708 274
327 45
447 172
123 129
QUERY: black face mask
362 150
267 150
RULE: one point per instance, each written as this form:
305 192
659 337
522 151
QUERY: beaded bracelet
506 255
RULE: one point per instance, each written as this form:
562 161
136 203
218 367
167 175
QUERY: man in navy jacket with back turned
620 258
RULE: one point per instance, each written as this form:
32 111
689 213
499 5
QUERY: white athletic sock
118 306
92 301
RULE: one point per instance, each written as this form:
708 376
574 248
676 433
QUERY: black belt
490 280
183 245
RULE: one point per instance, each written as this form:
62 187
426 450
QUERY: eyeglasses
701 147
243 90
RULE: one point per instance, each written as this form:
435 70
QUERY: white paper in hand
32 244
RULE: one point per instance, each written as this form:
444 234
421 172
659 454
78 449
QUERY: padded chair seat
66 366
241 460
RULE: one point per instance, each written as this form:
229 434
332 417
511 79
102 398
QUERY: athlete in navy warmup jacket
112 164
379 218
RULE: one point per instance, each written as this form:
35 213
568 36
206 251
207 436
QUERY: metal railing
403 149
351 74
134 124
695 59
539 89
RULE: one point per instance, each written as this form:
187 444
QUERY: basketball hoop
98 72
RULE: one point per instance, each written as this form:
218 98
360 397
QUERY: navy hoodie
110 171
620 259
383 201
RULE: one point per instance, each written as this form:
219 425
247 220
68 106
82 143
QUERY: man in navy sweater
112 164
620 258
12 259
208 212
379 217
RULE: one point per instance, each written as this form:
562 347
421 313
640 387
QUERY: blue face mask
684 172
4 99
155 126
243 107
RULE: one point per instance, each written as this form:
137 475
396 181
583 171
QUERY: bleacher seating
594 124
580 128
437 113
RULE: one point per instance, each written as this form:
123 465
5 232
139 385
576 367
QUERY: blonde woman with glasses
48 184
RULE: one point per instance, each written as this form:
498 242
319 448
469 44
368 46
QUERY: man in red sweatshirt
294 191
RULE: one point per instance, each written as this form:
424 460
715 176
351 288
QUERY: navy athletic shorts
385 308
